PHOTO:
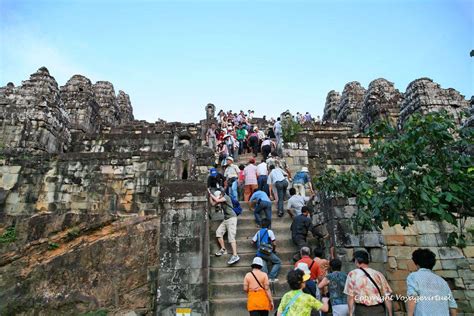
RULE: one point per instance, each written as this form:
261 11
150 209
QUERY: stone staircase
226 293
225 285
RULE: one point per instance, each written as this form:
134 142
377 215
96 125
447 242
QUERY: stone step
247 222
234 306
235 290
245 245
228 306
235 274
246 259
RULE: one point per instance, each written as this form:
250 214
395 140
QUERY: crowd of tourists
317 284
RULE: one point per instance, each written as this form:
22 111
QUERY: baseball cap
230 158
213 172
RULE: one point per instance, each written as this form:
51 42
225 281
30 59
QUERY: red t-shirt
315 270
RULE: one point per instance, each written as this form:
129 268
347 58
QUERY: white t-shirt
297 202
262 169
276 175
270 234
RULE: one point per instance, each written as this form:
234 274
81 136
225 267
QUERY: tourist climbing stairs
226 282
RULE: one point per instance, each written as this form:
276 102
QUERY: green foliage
53 245
99 312
73 234
429 175
8 236
290 130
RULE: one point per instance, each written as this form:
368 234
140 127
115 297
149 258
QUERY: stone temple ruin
111 213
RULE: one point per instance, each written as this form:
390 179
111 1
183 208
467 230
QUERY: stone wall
184 247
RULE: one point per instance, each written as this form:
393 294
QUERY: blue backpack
236 206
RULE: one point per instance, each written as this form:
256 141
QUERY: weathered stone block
469 251
392 262
379 254
400 252
397 275
448 273
450 253
427 227
394 240
427 240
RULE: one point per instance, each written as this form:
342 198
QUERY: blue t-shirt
259 195
301 177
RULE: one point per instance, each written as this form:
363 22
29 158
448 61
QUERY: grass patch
73 234
53 245
8 236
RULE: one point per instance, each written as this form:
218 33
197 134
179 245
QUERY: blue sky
173 57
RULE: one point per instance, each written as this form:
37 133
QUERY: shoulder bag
376 286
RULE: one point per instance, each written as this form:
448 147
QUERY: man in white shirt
278 177
296 202
278 130
262 177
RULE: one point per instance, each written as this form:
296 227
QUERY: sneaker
221 252
273 280
280 214
233 259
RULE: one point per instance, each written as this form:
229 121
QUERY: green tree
428 170
290 130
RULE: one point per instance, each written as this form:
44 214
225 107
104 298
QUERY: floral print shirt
302 306
363 290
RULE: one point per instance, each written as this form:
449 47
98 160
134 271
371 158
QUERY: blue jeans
263 206
276 264
281 191
262 184
232 190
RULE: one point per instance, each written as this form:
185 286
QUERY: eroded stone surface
32 116
352 100
79 101
331 108
381 102
423 95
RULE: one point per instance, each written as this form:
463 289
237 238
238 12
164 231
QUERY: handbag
258 300
263 247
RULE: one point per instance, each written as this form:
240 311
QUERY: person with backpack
228 225
262 204
366 289
265 241
257 287
296 302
